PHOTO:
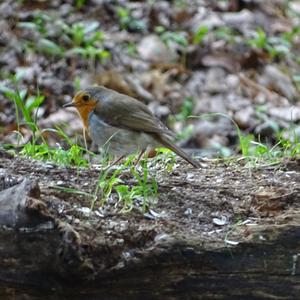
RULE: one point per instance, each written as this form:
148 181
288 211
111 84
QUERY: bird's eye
85 98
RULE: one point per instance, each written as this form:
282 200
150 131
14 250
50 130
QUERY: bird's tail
165 141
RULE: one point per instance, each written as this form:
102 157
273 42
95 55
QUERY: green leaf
200 34
28 25
33 102
91 27
49 47
296 78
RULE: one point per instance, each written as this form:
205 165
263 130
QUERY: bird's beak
70 104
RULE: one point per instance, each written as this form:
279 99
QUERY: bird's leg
115 161
139 157
94 149
84 138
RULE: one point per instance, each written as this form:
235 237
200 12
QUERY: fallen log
194 248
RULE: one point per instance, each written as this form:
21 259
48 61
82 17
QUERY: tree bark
43 254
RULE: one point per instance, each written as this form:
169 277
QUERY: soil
221 206
188 199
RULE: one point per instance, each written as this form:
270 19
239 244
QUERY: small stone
188 211
273 77
235 19
220 221
267 128
295 6
232 81
245 118
190 176
119 241
123 226
151 48
162 237
76 221
262 238
112 224
126 255
85 210
49 165
232 243
99 214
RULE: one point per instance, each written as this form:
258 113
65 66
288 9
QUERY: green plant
252 148
128 196
106 183
146 188
130 48
244 140
72 191
77 83
26 107
72 156
80 3
91 52
275 45
180 4
170 37
86 40
226 33
258 151
200 34
289 142
48 47
83 34
255 151
81 38
124 17
39 149
185 111
127 21
111 182
24 103
185 133
44 44
260 39
39 23
291 35
107 179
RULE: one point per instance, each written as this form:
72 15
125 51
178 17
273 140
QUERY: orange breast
84 112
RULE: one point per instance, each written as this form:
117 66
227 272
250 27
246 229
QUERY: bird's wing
126 112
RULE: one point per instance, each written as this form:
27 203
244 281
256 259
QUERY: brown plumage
121 124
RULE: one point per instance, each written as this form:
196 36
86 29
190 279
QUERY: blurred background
234 65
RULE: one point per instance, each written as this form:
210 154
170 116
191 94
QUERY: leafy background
233 65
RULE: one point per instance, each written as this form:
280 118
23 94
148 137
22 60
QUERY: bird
121 125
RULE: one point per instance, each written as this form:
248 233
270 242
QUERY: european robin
122 125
